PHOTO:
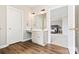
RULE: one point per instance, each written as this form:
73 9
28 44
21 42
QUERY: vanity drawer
37 37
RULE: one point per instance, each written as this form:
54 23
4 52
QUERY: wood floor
32 48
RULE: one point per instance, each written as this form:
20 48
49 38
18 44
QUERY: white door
14 25
71 27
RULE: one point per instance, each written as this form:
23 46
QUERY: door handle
74 29
9 28
71 28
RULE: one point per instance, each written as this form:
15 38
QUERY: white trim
59 45
48 26
42 44
22 24
3 46
71 33
26 40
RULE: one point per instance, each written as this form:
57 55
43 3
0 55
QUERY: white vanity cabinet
38 33
37 37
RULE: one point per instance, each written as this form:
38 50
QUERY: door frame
71 29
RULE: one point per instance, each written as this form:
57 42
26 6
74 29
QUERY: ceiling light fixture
43 10
33 13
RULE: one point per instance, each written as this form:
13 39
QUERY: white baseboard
26 40
59 45
3 46
41 44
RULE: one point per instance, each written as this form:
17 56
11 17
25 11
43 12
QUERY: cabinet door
45 37
2 25
37 37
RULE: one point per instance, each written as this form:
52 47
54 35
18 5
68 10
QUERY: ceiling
33 6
